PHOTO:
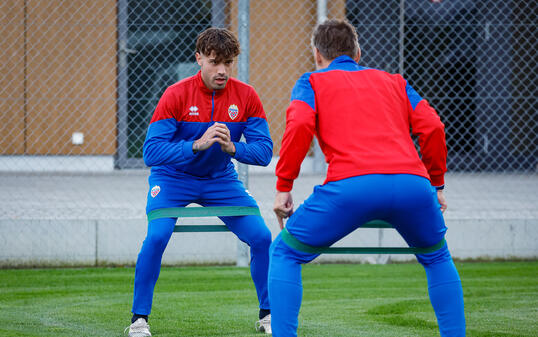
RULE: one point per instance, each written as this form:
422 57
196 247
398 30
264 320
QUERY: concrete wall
117 242
98 219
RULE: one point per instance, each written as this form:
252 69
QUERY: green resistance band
195 212
291 241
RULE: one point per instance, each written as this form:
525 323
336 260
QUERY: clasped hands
216 133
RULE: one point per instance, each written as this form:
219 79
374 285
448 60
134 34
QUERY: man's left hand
225 139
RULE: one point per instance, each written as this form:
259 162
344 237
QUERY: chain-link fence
80 80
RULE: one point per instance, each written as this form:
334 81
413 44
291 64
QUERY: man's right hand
217 132
442 200
283 207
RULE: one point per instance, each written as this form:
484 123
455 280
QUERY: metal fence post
318 162
122 155
401 39
243 68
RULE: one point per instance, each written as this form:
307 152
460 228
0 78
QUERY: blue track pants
178 193
336 209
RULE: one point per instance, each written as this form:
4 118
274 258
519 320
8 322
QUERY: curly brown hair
221 41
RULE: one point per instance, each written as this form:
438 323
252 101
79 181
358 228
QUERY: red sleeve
431 137
167 106
300 128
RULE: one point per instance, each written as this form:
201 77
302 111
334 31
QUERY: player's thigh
226 192
249 228
165 192
416 211
338 208
160 231
231 192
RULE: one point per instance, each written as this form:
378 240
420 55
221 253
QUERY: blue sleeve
158 148
258 149
302 91
413 96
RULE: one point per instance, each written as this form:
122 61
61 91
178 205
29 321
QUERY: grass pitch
501 299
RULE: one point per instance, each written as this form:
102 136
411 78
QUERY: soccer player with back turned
194 132
362 118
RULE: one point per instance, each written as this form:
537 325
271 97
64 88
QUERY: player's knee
440 255
280 250
262 239
157 240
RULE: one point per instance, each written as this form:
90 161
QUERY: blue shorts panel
226 192
165 192
335 209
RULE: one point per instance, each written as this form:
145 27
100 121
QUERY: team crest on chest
233 111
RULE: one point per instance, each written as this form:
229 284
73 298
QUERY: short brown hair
221 41
334 38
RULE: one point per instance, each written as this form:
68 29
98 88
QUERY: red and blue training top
187 109
362 118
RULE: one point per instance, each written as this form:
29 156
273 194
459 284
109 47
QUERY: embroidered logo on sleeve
155 190
233 111
193 111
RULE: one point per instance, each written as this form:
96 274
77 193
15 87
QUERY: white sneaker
264 325
139 328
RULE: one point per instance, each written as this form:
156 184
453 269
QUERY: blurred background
80 80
